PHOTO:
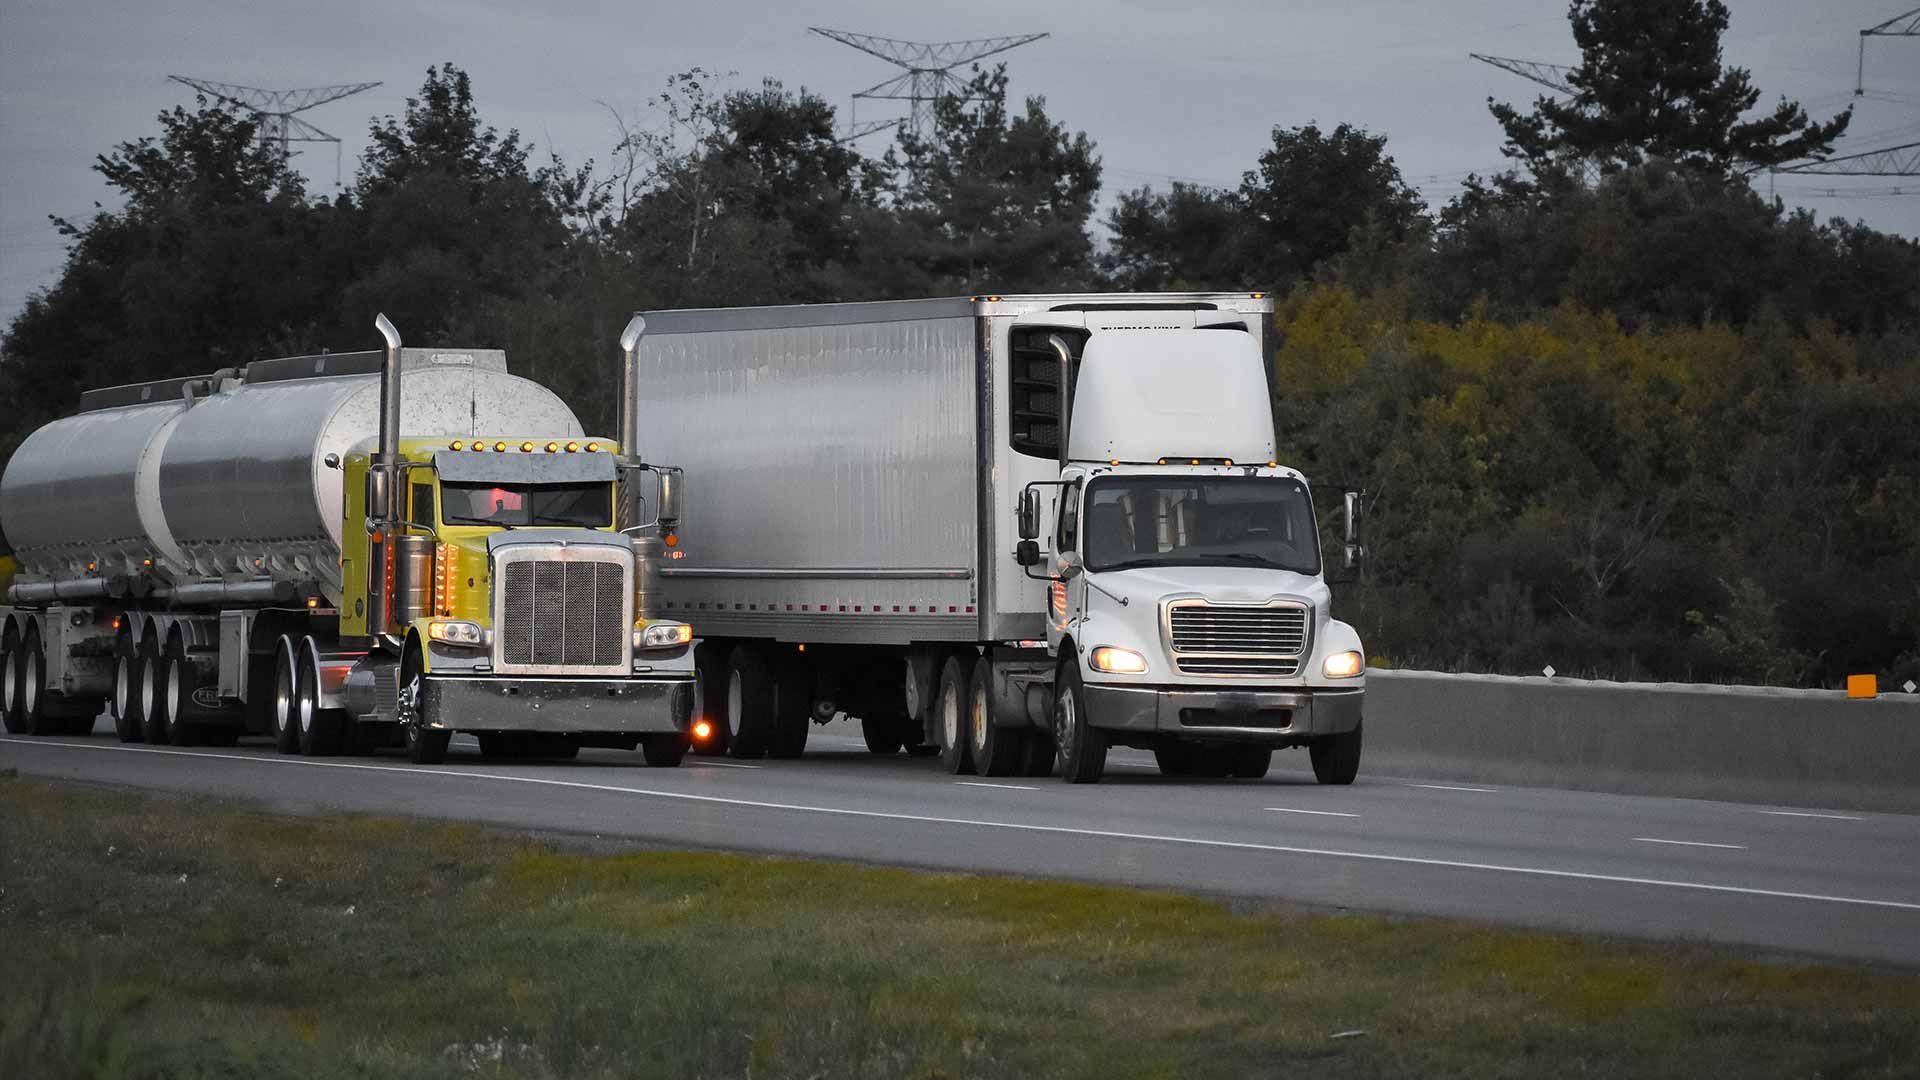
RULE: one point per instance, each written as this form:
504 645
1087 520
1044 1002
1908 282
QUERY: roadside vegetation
160 937
1615 410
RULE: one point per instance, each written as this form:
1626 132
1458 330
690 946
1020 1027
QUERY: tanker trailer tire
1083 747
322 731
128 713
663 749
996 750
710 668
882 734
750 702
425 745
793 708
284 726
950 712
30 693
1336 758
172 684
12 661
146 670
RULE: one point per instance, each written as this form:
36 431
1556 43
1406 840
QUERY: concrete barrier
1812 748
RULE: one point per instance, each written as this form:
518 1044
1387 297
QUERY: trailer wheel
663 749
793 708
425 745
710 698
950 712
12 665
172 684
286 727
31 701
1083 747
996 750
321 730
750 702
1336 758
153 713
128 712
882 734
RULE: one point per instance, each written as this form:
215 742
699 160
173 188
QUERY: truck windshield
1200 521
589 505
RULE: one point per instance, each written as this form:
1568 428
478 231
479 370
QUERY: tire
710 668
153 714
495 745
1251 762
882 734
1336 758
1036 758
285 727
425 745
1082 747
793 708
750 703
1175 758
129 713
950 712
663 750
996 750
35 717
12 663
322 731
1213 762
171 682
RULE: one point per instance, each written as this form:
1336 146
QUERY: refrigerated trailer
1001 528
261 550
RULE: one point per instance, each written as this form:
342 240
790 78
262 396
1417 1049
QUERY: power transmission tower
1551 76
275 111
1905 25
928 76
1902 160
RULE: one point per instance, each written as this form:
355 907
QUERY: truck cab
1189 610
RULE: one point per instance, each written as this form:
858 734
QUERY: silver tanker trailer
260 550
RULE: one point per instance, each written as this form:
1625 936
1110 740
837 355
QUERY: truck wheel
950 712
793 709
321 730
750 703
1336 758
172 685
12 663
425 745
882 734
153 718
128 712
494 745
1036 755
1251 762
710 668
1175 758
286 726
1083 747
996 750
35 718
663 749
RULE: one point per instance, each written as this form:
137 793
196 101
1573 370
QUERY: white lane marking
1809 813
725 764
1450 787
1320 813
1689 843
1009 787
1233 845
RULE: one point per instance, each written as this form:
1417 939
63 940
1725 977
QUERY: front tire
710 668
1336 758
950 712
1083 747
425 745
286 725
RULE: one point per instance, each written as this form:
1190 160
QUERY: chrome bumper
1276 716
509 703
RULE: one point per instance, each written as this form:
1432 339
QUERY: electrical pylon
1551 76
928 76
1905 25
1903 160
275 110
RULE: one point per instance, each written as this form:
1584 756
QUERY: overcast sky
1166 90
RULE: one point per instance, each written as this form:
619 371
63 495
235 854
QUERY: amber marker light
553 448
478 446
593 448
500 448
702 731
526 448
672 540
572 447
456 445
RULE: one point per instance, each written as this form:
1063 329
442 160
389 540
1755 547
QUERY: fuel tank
226 478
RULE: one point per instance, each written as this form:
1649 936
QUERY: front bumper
1269 716
525 703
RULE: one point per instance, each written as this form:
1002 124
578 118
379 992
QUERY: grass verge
159 937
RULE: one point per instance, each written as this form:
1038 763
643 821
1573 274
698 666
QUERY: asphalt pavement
1798 879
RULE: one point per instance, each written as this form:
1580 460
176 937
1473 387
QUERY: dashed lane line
983 783
1452 787
1059 830
1689 843
1316 813
1810 813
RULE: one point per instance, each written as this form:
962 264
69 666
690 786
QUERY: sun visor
516 468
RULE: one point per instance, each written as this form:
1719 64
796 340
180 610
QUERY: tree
1651 86
1190 237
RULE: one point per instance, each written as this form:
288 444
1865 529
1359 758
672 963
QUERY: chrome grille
1214 639
561 615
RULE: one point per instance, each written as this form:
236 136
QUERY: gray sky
1166 90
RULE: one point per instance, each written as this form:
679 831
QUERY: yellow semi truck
261 551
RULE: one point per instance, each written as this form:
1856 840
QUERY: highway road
1841 884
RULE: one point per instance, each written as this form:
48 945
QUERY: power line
1890 161
1551 76
928 74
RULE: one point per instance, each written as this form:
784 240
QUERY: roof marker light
593 448
572 446
500 448
553 448
526 448
456 445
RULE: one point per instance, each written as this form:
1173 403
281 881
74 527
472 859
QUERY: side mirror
669 497
1029 516
1356 551
1027 553
1069 571
376 495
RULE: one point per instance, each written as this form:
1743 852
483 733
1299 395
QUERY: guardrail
1813 748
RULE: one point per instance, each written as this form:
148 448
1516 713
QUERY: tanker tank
227 479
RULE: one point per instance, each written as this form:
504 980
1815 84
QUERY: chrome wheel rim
735 694
122 686
147 695
282 694
9 673
30 682
303 703
1064 711
174 675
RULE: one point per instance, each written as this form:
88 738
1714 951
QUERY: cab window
1068 537
421 512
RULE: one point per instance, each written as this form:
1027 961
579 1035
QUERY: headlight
1343 665
662 635
1118 661
457 632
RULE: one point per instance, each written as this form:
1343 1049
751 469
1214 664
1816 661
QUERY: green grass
164 937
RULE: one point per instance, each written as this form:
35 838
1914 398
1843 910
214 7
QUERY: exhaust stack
629 433
388 460
1065 352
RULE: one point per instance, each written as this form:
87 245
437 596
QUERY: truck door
1066 592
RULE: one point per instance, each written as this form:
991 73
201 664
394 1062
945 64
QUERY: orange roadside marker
1863 686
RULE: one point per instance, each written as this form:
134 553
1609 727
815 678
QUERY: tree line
1614 410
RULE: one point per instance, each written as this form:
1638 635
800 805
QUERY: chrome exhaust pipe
388 461
1065 352
629 433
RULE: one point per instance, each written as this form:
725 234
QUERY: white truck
1008 529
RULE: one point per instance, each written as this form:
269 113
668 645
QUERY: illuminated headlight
1118 661
662 635
457 632
1342 665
